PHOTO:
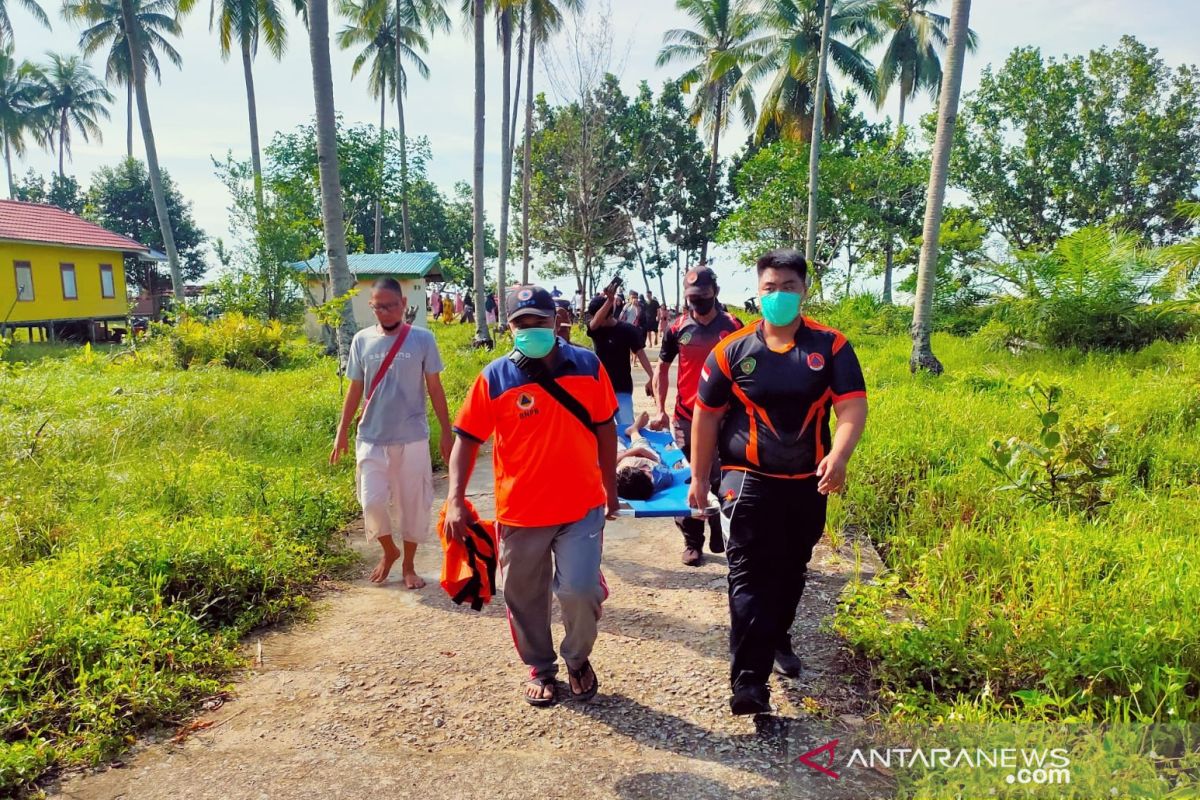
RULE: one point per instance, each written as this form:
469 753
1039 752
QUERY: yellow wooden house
60 274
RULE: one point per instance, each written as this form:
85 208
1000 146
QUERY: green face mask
780 308
534 342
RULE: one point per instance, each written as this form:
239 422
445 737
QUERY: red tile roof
35 222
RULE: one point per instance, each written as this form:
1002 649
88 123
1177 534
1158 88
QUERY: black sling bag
537 371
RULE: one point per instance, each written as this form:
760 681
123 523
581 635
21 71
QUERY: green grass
996 608
149 516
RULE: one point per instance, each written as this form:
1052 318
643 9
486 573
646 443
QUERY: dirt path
405 693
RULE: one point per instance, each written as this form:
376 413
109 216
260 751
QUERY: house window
107 289
24 281
70 290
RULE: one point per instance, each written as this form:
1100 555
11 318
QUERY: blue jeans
624 411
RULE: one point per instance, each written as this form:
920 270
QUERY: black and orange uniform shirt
777 403
692 342
546 462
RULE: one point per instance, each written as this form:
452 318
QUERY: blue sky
200 112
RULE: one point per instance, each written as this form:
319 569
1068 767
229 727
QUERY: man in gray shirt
394 473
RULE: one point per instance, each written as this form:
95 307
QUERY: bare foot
412 580
390 554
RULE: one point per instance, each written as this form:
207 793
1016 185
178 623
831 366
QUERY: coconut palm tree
717 51
332 212
509 13
21 110
814 144
31 7
76 98
922 353
241 23
915 36
789 55
156 20
372 25
477 251
411 15
139 56
543 18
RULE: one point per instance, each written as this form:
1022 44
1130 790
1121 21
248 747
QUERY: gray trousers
529 574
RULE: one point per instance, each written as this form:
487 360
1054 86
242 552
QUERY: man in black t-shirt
650 317
763 407
615 342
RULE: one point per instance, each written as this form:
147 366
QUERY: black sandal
542 702
578 675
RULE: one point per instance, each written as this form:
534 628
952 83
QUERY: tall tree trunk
516 103
712 167
133 40
505 156
477 251
332 216
252 110
888 259
814 151
12 190
129 118
400 88
922 353
525 173
378 242
62 142
900 119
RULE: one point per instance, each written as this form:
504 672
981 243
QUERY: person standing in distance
393 364
550 408
763 407
692 337
650 310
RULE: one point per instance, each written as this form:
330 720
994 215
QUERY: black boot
787 662
754 699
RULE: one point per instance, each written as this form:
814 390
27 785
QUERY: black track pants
774 524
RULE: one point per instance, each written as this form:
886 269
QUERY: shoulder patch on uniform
747 366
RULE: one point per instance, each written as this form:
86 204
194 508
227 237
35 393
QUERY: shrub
1067 466
231 340
1090 292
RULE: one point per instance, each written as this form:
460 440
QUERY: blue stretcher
671 501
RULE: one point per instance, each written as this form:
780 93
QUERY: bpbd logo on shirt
525 403
816 362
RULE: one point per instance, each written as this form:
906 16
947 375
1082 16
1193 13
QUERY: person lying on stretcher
640 471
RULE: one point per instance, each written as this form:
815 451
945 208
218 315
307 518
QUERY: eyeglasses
384 306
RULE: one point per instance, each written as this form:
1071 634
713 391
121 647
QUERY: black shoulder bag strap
535 370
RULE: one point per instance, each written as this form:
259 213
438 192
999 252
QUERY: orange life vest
469 567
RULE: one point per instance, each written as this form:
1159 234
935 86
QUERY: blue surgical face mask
534 342
780 308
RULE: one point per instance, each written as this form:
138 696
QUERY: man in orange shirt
550 407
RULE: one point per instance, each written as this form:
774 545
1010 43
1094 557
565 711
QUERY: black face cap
699 278
522 300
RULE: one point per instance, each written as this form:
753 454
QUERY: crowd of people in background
644 312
